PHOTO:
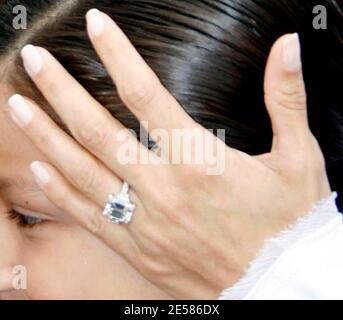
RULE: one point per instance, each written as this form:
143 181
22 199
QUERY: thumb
285 95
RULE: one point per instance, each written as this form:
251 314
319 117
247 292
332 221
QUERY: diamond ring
119 209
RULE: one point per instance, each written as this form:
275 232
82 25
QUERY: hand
192 234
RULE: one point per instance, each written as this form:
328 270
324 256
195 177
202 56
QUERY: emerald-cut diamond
119 209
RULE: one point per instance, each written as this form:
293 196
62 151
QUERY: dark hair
210 54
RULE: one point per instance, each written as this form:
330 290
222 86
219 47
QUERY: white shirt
303 262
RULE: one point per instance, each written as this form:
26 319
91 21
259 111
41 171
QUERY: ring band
119 209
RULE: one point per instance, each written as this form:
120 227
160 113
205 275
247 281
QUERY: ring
119 209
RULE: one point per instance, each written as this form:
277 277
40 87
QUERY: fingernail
20 111
95 22
292 53
33 61
41 175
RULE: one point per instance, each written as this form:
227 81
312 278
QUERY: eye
28 220
24 220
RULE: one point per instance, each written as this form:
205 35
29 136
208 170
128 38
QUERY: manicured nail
33 61
20 111
95 22
292 53
41 175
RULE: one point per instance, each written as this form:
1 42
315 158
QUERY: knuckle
291 95
92 135
171 205
152 268
48 85
140 93
86 178
59 197
95 223
151 234
146 231
146 268
163 203
42 138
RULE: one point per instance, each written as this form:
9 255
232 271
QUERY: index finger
89 122
137 84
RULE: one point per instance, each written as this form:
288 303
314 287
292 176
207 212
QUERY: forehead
16 150
19 180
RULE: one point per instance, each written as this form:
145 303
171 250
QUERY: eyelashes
23 220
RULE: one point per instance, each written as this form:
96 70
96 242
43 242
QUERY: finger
137 84
84 171
90 123
285 94
84 211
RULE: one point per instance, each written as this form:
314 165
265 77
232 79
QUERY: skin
62 259
178 249
173 240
